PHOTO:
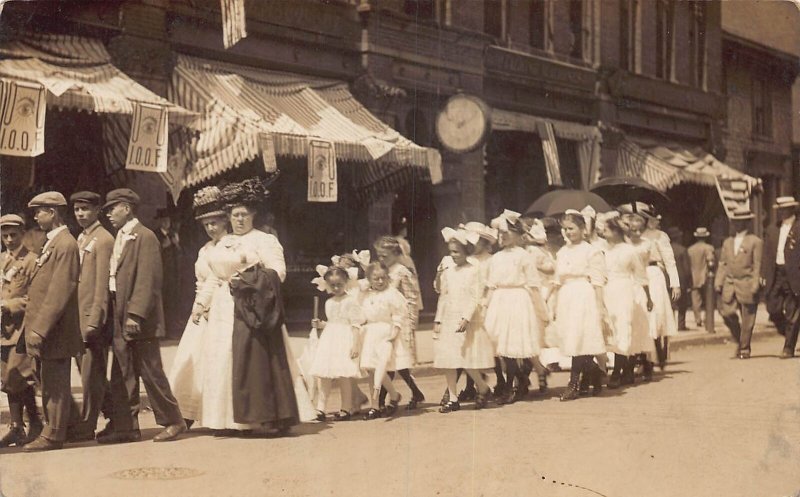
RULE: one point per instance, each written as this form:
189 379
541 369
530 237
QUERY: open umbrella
556 202
622 189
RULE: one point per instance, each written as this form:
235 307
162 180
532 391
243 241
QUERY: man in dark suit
138 319
95 244
702 258
684 266
51 323
738 280
171 262
781 273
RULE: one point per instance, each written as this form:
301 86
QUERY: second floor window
761 108
494 18
538 24
665 38
629 36
576 27
697 42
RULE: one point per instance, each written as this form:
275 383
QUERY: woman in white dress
580 306
460 341
516 311
186 375
627 299
390 252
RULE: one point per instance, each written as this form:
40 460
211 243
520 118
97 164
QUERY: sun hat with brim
742 214
121 195
48 199
207 202
12 220
701 233
785 202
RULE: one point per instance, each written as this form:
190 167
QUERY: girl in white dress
385 310
627 299
515 310
580 306
460 341
336 356
546 265
391 254
186 375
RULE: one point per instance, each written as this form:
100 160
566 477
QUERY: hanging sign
233 22
323 184
267 146
734 193
147 148
173 178
22 109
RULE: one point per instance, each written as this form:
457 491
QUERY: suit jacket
701 255
791 254
738 273
95 246
138 280
52 310
683 265
15 278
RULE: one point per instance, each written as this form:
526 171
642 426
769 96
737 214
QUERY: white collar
53 232
741 234
789 220
129 226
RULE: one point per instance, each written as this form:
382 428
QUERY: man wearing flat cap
17 377
138 315
781 273
51 323
95 244
701 258
738 280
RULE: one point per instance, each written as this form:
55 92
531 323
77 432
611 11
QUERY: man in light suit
95 244
738 280
781 273
138 320
51 323
701 257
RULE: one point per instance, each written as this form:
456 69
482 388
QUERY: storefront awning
78 74
667 165
238 103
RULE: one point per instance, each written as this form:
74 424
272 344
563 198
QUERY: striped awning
78 74
238 103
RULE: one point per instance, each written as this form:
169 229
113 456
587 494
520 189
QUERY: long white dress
626 301
579 269
230 255
332 356
405 344
186 374
382 311
461 293
511 319
662 319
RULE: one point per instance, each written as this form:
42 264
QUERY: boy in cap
738 280
16 268
781 273
138 317
51 323
701 257
95 244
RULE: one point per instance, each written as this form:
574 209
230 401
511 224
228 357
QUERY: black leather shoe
571 393
744 354
15 436
787 354
109 429
42 444
35 428
171 432
120 437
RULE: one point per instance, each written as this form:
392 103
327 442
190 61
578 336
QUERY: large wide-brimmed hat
785 202
251 192
701 232
207 202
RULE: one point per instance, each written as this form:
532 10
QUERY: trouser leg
775 300
15 406
54 376
94 382
124 387
147 356
748 323
697 305
792 330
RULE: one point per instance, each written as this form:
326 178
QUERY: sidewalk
424 336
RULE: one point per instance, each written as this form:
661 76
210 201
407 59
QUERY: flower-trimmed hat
207 202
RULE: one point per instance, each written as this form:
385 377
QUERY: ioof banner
323 182
267 146
147 148
22 109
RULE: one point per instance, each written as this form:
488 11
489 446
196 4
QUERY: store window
665 39
761 108
538 24
697 43
630 36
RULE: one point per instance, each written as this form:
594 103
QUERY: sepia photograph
399 248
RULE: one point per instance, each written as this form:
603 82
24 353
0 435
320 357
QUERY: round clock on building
463 124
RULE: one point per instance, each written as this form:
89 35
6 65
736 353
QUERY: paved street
709 426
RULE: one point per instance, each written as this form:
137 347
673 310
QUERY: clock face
463 123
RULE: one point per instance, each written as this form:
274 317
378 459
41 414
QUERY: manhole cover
168 473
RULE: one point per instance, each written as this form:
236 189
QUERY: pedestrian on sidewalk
138 314
51 323
738 280
702 259
95 244
17 378
684 266
186 376
781 273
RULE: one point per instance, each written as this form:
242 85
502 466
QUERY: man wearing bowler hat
781 273
738 280
95 244
701 257
138 316
51 323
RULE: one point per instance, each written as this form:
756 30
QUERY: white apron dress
579 269
626 301
405 344
661 319
461 294
382 311
332 356
511 319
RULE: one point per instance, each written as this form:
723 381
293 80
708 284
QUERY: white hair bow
363 257
505 220
461 236
573 212
322 284
537 231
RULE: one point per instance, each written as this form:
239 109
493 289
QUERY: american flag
233 22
